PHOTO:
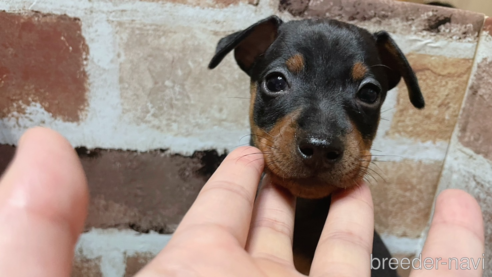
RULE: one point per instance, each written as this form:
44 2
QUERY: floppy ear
392 57
249 44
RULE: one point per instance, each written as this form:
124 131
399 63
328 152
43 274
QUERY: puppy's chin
309 188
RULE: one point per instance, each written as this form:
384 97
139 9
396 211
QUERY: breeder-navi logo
428 263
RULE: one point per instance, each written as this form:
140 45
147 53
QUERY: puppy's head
317 87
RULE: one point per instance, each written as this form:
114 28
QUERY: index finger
226 201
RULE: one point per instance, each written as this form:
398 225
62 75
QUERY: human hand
44 197
222 235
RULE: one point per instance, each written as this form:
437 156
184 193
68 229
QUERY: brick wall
126 82
468 164
482 6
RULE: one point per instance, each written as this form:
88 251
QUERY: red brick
402 198
136 262
488 25
475 126
295 7
414 17
144 191
444 81
42 61
212 4
83 267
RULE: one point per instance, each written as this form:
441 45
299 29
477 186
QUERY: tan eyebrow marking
359 71
295 63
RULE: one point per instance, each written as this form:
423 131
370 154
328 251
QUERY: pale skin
44 199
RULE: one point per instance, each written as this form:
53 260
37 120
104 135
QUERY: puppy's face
316 92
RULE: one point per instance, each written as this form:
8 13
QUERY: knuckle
275 225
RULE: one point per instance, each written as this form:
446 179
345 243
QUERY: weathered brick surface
209 3
443 82
475 123
144 191
473 5
408 17
136 262
42 61
487 26
403 193
295 7
165 82
468 165
83 267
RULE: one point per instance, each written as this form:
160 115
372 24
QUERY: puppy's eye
369 93
276 83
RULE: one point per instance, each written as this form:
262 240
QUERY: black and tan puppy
317 87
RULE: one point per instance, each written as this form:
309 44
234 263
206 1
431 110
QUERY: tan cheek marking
360 147
359 71
358 142
277 143
295 64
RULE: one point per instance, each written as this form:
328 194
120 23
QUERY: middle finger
345 245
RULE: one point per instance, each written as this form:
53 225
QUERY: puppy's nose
320 153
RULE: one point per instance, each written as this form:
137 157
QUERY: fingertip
46 166
359 192
457 207
45 190
249 156
44 143
228 196
457 196
43 134
244 150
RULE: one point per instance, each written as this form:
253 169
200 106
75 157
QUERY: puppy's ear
249 44
398 66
